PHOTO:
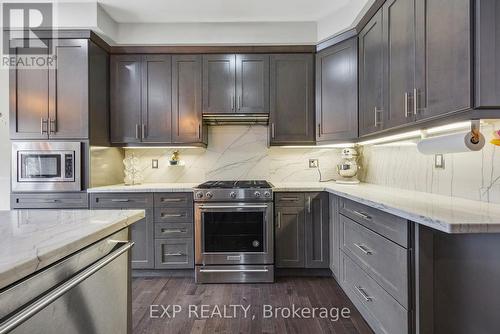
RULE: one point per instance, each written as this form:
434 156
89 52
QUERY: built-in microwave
46 166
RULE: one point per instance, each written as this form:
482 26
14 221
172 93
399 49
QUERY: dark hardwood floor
306 292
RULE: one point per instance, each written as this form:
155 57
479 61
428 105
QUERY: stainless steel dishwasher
86 292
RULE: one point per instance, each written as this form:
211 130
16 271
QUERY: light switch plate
313 163
154 163
439 161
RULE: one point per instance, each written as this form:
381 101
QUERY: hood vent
236 119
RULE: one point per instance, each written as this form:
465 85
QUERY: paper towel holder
475 129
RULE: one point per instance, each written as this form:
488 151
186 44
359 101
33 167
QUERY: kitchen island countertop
31 240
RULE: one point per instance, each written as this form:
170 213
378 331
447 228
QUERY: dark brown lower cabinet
302 231
141 233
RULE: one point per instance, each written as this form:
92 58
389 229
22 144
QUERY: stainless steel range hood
236 119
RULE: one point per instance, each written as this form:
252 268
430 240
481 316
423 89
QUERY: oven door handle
233 207
234 270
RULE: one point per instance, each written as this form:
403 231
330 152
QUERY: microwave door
40 167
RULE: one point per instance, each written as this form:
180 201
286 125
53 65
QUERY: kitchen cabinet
236 84
141 232
291 119
371 76
62 101
187 125
302 228
290 241
141 99
316 230
444 58
337 92
399 34
334 236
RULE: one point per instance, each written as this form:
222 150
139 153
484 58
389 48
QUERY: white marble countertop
443 213
33 239
145 188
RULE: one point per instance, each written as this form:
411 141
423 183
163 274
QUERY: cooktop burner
246 184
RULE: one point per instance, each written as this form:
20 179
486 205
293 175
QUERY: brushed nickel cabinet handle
415 101
363 293
232 102
279 220
406 104
199 130
137 130
362 214
272 130
120 200
319 130
54 123
170 215
42 123
363 248
308 204
173 254
378 120
289 199
239 102
168 231
143 131
167 200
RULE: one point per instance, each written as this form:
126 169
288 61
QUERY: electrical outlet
439 161
154 163
313 163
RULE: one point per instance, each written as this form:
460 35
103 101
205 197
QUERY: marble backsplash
241 152
472 175
237 152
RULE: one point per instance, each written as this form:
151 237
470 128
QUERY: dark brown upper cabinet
57 102
444 59
187 126
141 108
337 92
371 76
291 119
399 32
235 84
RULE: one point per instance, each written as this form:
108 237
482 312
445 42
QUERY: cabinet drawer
391 227
174 215
289 199
173 230
174 253
379 309
179 200
49 201
121 200
381 258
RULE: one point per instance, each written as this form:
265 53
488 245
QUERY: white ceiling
168 11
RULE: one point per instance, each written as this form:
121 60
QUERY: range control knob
209 194
199 194
267 194
257 194
232 194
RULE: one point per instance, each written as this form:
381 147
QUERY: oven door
234 233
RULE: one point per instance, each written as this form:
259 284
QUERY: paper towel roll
455 143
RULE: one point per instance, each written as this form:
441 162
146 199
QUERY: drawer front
49 201
173 230
382 259
174 253
179 200
383 313
392 227
121 200
174 215
289 199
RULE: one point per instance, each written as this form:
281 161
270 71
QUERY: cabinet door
186 99
252 84
292 99
443 57
142 235
487 65
156 124
219 80
69 87
334 233
337 92
371 76
399 33
29 96
290 251
316 230
126 95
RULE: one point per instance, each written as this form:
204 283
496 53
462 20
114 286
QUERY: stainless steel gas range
234 240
